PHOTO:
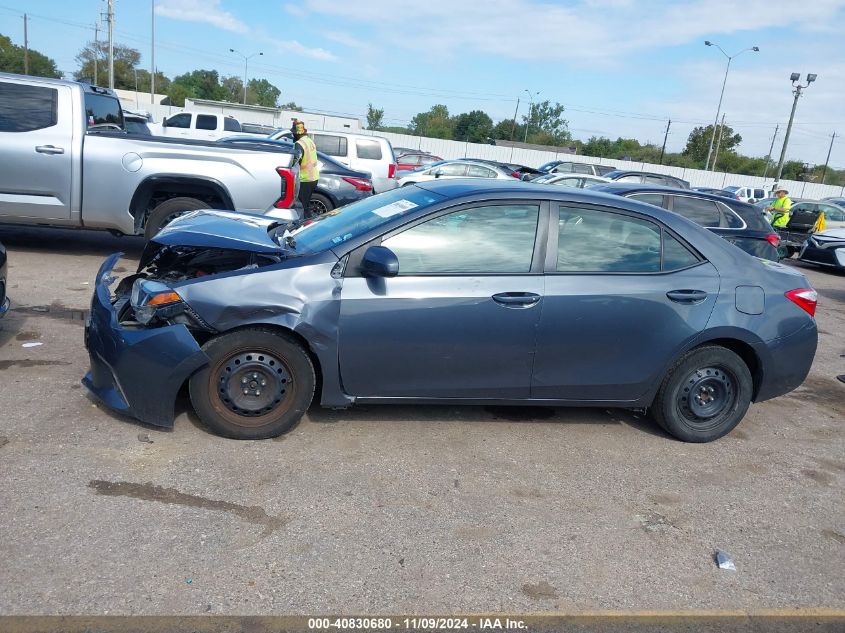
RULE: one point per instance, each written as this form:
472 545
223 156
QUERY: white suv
746 194
357 151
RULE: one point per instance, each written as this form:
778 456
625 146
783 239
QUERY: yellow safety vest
781 207
309 168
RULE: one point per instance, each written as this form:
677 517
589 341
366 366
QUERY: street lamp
795 78
531 97
136 88
756 49
246 61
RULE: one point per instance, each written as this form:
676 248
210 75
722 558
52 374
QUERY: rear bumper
137 372
786 362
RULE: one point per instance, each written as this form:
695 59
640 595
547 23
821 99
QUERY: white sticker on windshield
394 208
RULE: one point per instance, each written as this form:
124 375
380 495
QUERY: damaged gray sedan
449 292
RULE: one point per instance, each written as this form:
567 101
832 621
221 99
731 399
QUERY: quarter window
369 150
675 255
27 108
232 125
475 241
601 242
206 122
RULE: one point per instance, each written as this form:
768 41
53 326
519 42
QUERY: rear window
331 145
370 150
206 122
27 108
232 125
102 112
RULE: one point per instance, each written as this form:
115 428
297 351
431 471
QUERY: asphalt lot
397 509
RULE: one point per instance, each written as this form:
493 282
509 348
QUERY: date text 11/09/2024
416 624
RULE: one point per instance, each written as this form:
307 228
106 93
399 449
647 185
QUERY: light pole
246 61
136 88
531 97
756 49
795 78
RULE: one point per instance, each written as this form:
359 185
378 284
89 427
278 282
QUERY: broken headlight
151 299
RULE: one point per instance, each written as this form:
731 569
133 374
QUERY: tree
506 130
435 123
234 88
126 61
11 60
546 126
598 146
475 126
375 117
292 106
698 142
262 92
198 84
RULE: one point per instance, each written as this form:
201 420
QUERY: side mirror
437 173
164 123
380 261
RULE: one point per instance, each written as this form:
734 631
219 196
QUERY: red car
417 160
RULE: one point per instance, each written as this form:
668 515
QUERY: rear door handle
516 299
687 296
49 149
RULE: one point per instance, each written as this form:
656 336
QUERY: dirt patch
541 591
655 522
521 414
819 476
667 499
836 536
55 310
474 533
833 293
6 364
3 441
831 463
149 492
825 392
27 336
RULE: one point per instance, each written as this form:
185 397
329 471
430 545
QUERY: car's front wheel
258 384
704 396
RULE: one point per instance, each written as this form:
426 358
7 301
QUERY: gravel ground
397 509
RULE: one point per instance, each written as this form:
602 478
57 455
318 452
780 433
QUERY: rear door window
102 112
649 198
452 169
477 171
369 150
27 108
331 145
206 122
582 169
232 125
703 212
759 194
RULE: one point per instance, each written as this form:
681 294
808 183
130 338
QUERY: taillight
773 239
804 298
288 188
516 174
360 184
391 170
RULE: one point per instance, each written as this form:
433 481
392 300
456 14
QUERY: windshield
356 219
548 166
732 189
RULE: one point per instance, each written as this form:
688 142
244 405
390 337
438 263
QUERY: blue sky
621 67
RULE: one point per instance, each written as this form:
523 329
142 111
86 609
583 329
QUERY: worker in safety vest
309 166
780 208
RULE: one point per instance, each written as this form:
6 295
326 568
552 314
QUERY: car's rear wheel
704 396
320 204
164 213
258 384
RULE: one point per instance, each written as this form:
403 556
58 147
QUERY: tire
168 211
320 204
723 383
790 251
253 360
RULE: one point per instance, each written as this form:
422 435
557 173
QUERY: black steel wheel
258 384
705 395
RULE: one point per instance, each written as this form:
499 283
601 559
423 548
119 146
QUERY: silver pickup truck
66 160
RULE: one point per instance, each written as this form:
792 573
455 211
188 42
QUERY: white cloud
295 47
205 11
295 9
345 39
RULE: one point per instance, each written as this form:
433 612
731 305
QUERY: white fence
534 158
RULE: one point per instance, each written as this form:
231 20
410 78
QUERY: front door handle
49 149
687 296
516 299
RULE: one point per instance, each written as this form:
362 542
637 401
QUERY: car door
623 295
177 125
37 137
206 126
459 320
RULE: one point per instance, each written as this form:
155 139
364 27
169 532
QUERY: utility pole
718 143
769 155
111 44
665 137
513 126
827 160
25 46
153 54
530 112
794 77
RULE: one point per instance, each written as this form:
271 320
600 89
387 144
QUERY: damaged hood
221 229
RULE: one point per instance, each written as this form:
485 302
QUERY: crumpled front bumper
137 372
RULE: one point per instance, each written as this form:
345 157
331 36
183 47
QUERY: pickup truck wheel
704 396
169 210
258 384
320 204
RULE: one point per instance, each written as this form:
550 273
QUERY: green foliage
546 125
698 142
435 123
474 127
198 84
375 117
11 60
506 130
291 105
126 61
262 92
